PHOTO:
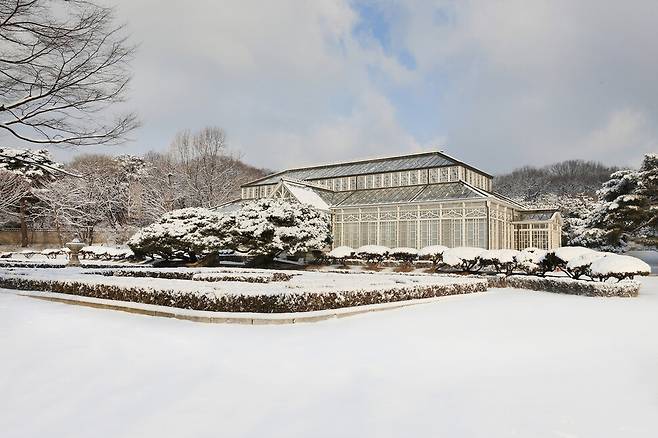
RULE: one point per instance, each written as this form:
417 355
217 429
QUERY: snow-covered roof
306 194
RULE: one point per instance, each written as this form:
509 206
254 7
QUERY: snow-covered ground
500 364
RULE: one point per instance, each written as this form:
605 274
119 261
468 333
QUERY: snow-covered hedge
564 285
212 276
260 303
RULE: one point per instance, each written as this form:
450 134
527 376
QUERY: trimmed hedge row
282 303
37 265
627 288
199 276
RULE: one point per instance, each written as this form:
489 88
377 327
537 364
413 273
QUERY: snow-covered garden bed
271 292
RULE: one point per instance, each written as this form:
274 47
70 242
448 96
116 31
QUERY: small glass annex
413 201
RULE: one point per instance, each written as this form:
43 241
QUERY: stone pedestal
75 246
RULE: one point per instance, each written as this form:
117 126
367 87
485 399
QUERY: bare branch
64 65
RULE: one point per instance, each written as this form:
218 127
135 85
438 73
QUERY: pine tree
37 168
627 208
267 227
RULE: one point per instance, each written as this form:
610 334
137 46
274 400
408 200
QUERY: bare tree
206 170
63 65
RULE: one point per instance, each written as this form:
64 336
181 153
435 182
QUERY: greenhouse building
412 201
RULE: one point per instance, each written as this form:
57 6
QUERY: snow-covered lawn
500 364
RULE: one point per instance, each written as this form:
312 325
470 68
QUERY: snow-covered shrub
581 265
52 253
502 260
531 261
185 234
93 252
619 267
559 257
404 254
433 253
340 254
463 258
268 227
28 253
372 253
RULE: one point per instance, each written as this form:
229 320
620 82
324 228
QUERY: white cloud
626 133
503 83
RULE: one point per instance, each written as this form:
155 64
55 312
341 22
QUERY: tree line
121 193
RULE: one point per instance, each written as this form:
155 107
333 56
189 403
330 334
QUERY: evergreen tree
627 208
37 168
267 227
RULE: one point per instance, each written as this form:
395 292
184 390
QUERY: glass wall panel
388 233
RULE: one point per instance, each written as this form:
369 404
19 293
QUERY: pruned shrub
52 253
503 261
105 253
404 254
531 261
559 257
183 234
462 258
373 254
268 227
618 266
434 253
582 265
339 254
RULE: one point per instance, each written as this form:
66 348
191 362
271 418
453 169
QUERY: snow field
506 363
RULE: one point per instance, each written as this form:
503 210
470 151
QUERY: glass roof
382 196
409 162
537 215
440 192
332 198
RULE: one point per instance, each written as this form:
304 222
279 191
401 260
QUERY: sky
498 84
